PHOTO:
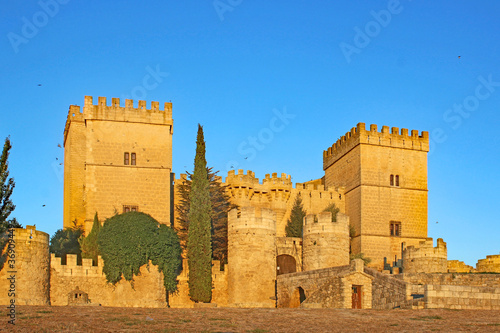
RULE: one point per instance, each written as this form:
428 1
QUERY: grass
258 330
215 319
44 311
495 324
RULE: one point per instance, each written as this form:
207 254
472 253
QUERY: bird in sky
59 145
43 205
39 84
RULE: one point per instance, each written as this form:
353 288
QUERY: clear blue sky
231 65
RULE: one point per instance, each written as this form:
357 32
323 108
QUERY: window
394 180
126 158
395 228
132 161
130 208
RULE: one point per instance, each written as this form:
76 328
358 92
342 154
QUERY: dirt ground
104 319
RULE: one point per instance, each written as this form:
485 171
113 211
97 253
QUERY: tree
332 208
6 187
199 249
128 241
65 241
89 244
296 221
220 204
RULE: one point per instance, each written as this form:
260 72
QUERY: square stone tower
385 179
117 159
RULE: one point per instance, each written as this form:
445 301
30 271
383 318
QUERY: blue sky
232 65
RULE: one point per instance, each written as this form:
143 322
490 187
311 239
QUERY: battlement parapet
426 249
30 235
490 264
360 135
322 223
240 179
252 218
426 258
278 183
71 268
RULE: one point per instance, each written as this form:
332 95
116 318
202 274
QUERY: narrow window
133 208
126 209
397 180
132 162
126 158
395 229
392 180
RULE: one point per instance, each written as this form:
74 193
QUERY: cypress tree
220 204
6 187
89 244
199 247
295 222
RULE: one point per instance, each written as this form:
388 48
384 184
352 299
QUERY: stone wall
489 264
219 283
462 297
326 243
325 288
426 258
251 257
29 268
387 291
146 290
417 281
457 266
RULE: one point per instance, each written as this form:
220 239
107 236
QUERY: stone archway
285 264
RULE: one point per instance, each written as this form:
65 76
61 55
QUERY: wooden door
356 297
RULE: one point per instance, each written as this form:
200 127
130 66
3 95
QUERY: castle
119 159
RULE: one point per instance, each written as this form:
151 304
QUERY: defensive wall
490 264
146 289
426 257
457 266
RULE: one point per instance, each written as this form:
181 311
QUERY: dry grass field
104 319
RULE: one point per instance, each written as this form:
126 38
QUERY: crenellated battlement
426 258
390 138
252 218
322 223
278 183
241 179
71 268
115 112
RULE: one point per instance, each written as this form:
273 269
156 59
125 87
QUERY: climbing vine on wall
128 241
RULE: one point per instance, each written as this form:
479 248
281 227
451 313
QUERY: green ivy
128 241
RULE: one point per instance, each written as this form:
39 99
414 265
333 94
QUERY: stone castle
119 159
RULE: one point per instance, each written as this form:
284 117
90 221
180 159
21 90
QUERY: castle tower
251 257
28 277
117 159
385 179
325 243
426 258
